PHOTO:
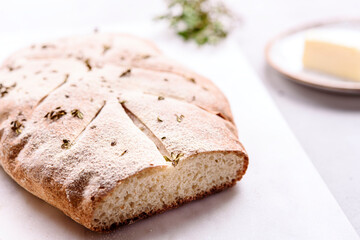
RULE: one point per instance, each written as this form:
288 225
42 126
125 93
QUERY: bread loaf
107 129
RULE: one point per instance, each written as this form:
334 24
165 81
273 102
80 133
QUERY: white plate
284 54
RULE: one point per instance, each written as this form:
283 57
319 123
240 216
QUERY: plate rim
344 87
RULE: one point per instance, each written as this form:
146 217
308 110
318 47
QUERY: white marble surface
282 195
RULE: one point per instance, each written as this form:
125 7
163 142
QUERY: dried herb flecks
87 64
163 138
17 127
77 113
159 119
106 48
174 158
121 101
66 144
55 114
160 98
113 143
45 46
122 154
126 73
11 68
179 118
192 80
5 90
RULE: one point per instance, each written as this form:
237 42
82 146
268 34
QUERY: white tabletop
327 125
324 124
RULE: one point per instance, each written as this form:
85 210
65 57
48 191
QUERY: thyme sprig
199 20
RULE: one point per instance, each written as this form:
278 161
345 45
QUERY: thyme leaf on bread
17 127
174 158
66 144
77 113
126 73
201 21
55 114
122 154
87 64
179 118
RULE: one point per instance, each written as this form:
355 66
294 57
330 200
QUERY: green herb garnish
199 20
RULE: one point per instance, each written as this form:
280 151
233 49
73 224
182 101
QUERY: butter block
333 51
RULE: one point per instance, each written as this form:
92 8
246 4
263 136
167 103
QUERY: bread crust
78 179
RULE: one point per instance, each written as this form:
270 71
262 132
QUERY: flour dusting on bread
109 130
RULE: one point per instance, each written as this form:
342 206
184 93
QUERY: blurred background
326 124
